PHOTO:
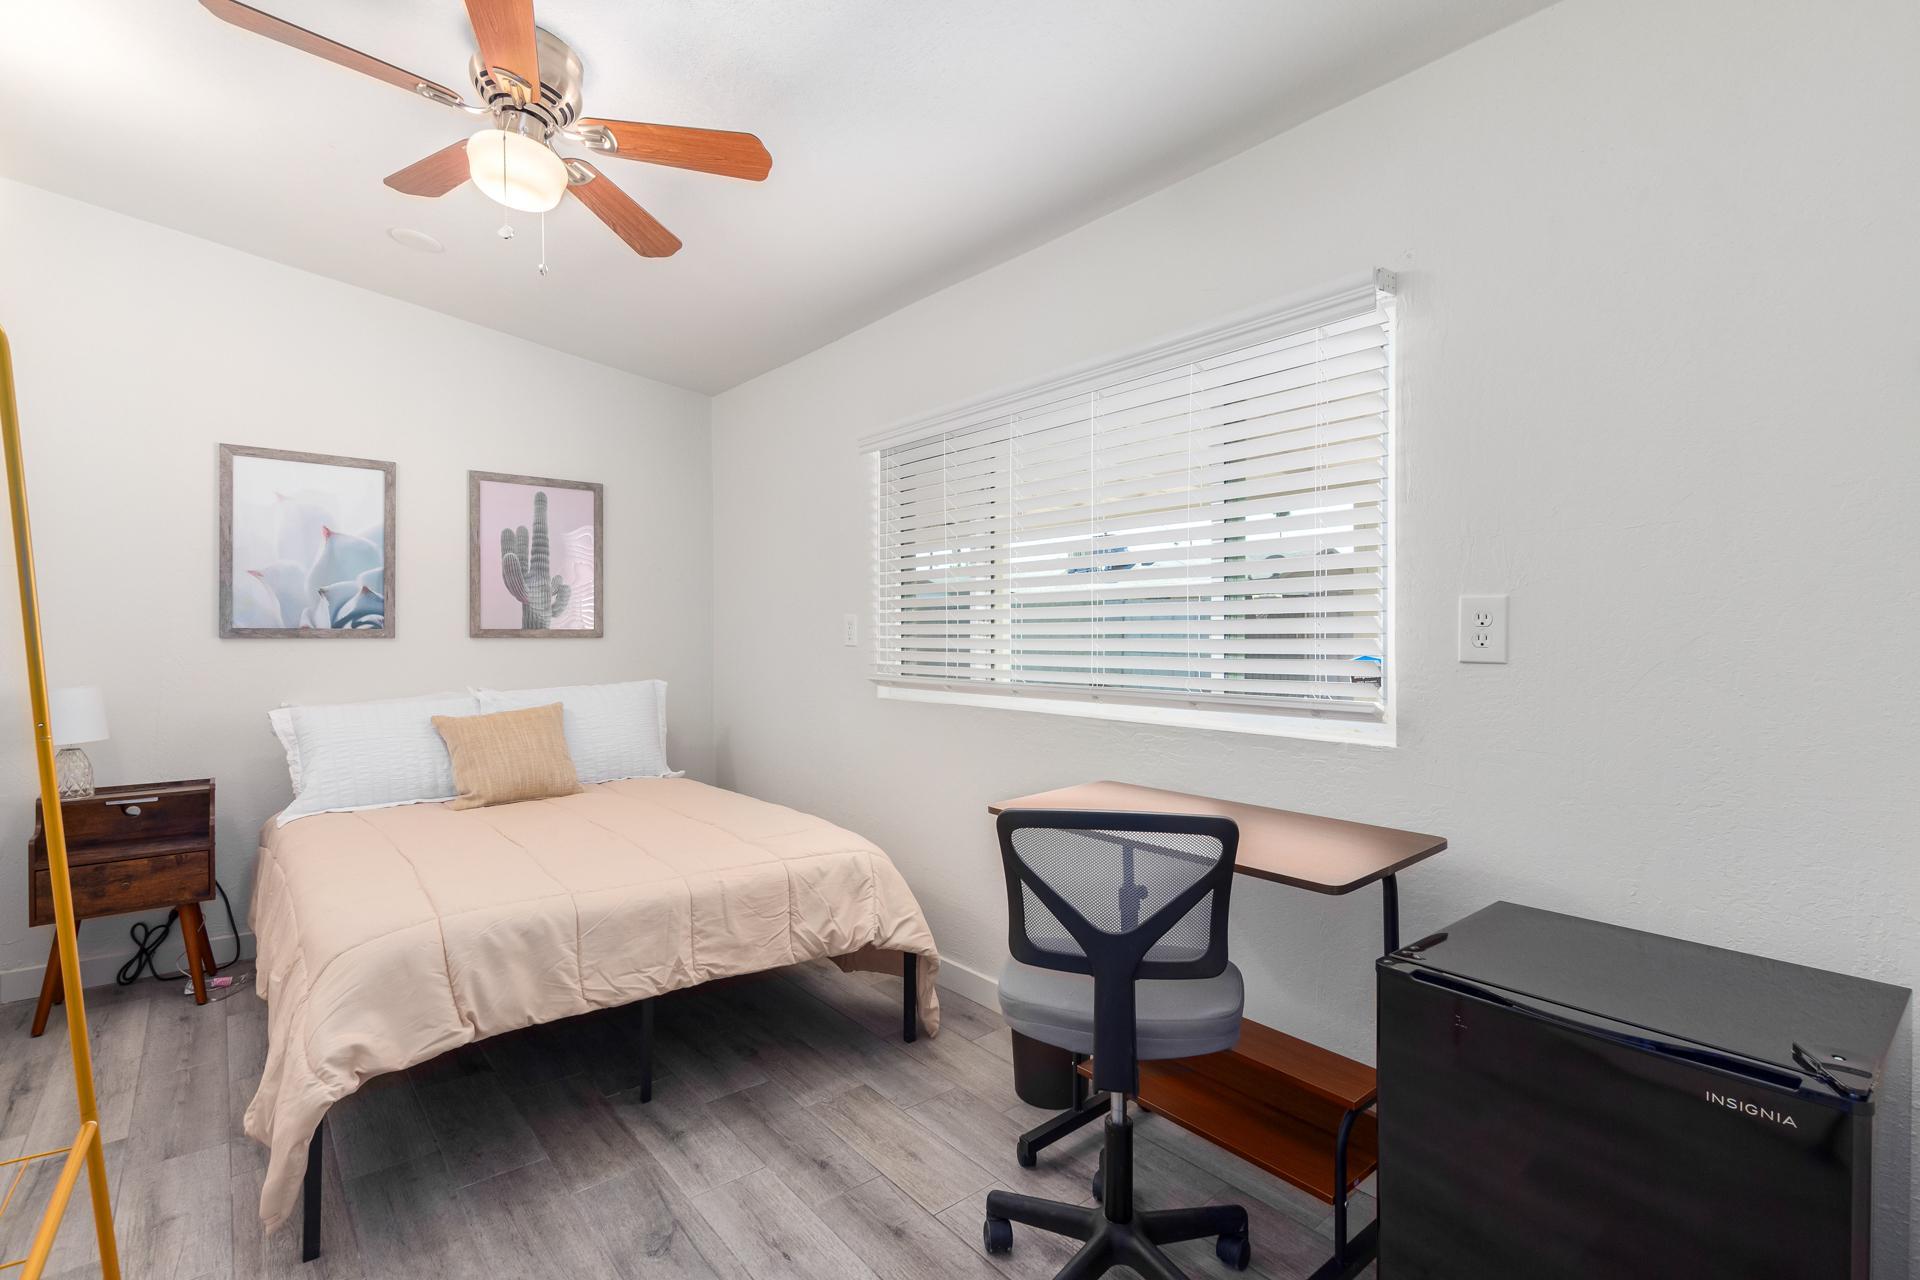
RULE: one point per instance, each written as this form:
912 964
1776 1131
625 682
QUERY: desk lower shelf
1274 1101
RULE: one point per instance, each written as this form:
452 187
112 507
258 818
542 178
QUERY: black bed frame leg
310 1194
646 1050
910 997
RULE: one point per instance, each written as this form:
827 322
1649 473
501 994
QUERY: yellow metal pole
85 1147
56 830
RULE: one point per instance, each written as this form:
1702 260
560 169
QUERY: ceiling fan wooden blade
436 175
265 24
731 155
504 29
640 229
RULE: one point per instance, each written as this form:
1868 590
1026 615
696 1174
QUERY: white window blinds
1212 529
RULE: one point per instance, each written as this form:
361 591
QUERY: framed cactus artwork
533 566
306 545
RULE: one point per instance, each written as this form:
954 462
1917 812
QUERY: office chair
1118 929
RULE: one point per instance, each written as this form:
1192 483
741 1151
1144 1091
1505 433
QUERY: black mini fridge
1562 1099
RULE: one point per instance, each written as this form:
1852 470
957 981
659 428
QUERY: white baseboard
969 982
99 970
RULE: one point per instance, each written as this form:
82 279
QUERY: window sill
1272 724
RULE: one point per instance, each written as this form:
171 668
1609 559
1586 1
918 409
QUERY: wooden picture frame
491 595
361 602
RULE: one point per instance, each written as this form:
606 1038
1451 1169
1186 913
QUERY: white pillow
281 718
370 755
613 731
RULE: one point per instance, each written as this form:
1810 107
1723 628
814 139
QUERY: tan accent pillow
508 756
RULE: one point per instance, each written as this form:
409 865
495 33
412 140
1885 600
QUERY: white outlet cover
1483 628
850 630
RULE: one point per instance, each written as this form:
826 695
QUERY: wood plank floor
791 1136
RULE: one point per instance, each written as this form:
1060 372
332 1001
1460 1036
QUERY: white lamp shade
516 171
77 715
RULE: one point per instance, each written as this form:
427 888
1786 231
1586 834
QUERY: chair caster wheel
1099 1188
997 1235
1235 1251
1026 1155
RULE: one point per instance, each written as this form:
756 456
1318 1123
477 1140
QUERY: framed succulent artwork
533 565
306 545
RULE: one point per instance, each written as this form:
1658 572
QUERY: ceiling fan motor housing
520 109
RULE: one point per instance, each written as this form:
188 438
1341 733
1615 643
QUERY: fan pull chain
543 242
506 228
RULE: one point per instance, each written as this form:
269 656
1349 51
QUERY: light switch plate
1483 628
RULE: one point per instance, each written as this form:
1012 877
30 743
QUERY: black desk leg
1350 1257
910 996
1390 912
1360 1252
310 1195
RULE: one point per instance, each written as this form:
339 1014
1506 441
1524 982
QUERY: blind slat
1035 528
1196 574
1218 607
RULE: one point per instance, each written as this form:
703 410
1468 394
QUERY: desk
1321 855
1301 1112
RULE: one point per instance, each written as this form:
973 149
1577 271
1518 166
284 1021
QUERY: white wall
137 351
1658 361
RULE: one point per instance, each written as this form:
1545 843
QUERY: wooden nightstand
130 849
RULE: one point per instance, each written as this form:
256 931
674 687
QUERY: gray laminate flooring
791 1136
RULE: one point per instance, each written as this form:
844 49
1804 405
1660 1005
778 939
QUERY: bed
388 936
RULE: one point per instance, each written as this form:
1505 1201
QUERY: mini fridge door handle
1699 1055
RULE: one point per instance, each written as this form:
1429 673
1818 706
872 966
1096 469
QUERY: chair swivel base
1083 1112
1108 1244
1113 1234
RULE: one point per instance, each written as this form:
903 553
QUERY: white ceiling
914 143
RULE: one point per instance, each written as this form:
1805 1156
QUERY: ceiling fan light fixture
516 171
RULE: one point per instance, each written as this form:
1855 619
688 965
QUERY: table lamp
75 715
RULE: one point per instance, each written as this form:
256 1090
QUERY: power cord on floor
147 940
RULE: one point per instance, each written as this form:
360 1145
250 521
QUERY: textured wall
138 350
1659 377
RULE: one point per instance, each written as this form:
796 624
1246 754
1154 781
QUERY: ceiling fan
528 81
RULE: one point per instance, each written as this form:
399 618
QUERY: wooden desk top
1326 855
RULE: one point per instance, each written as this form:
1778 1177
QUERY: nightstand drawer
124 816
129 884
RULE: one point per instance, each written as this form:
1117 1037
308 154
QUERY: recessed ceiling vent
415 240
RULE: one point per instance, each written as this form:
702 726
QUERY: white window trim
1272 722
1276 319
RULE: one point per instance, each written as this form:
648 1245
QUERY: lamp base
74 772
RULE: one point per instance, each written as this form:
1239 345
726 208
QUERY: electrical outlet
850 630
1483 628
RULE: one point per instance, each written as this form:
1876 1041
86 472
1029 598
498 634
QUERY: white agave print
308 545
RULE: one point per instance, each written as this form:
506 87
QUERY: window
1202 529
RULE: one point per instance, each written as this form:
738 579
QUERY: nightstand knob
132 811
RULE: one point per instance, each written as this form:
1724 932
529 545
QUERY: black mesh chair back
1121 897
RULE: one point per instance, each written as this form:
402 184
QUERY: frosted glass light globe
516 171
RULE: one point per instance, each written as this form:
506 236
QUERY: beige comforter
392 935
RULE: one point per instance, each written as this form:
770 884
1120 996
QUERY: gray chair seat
1173 1019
